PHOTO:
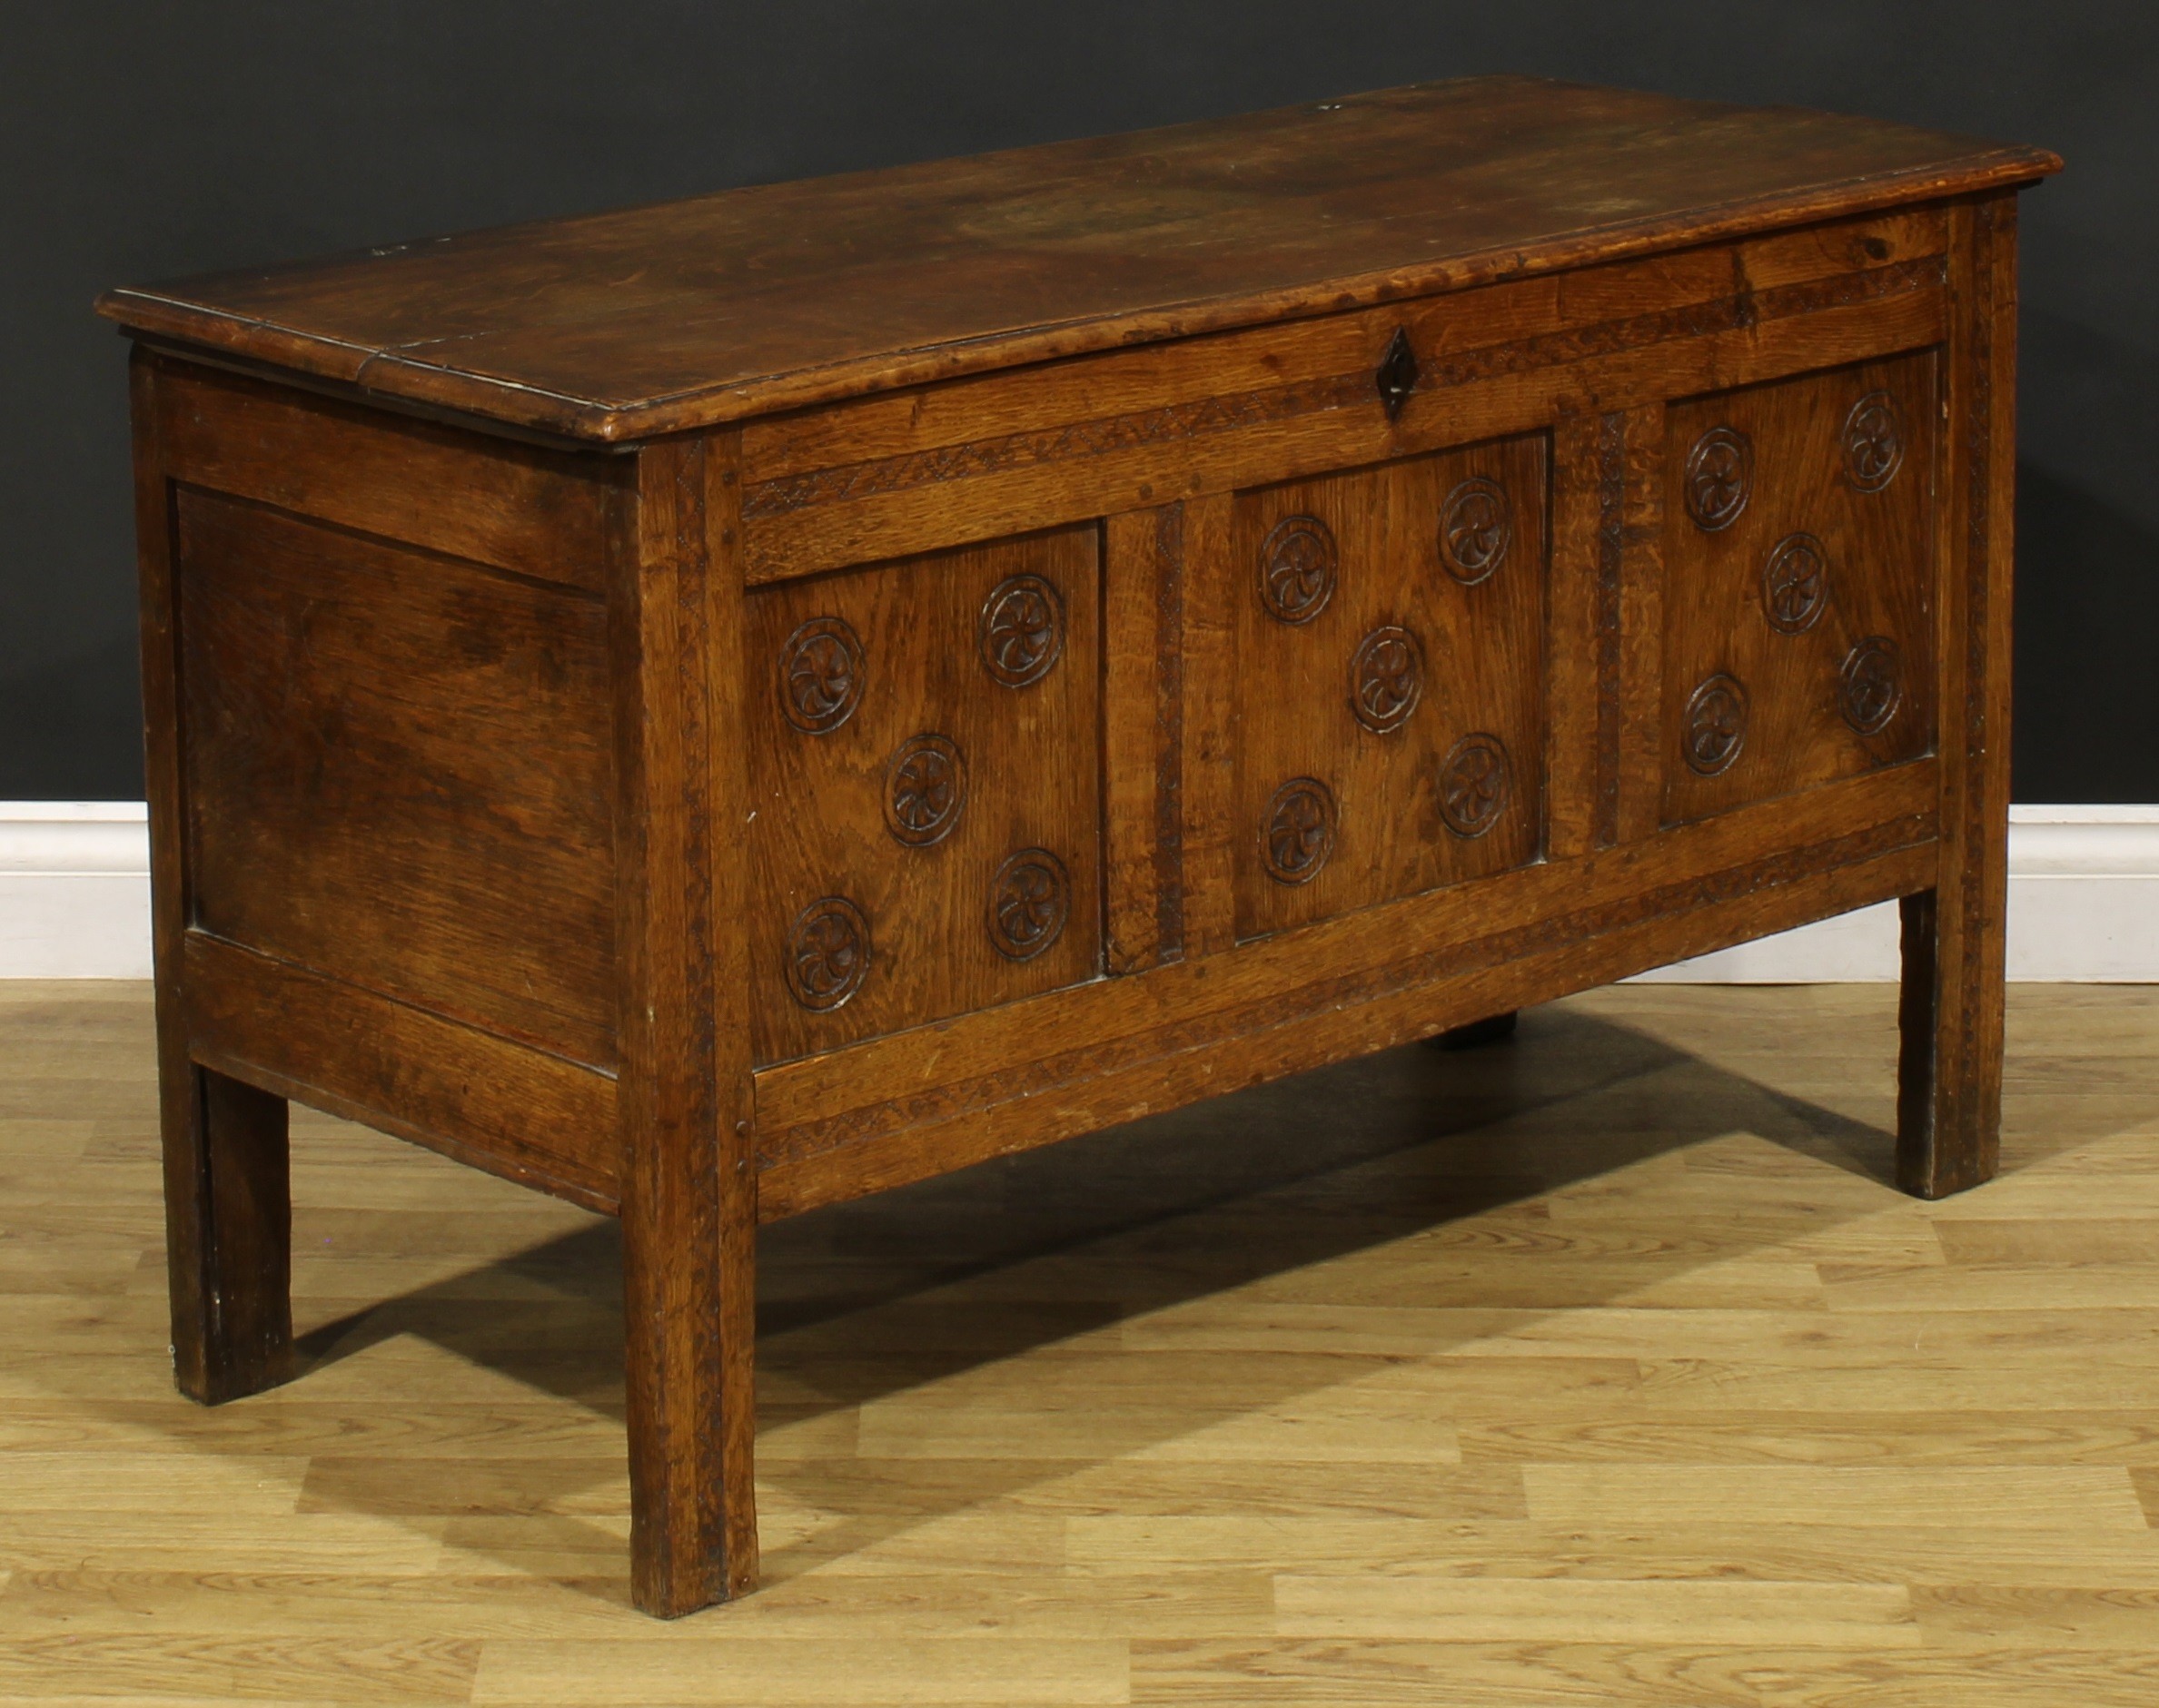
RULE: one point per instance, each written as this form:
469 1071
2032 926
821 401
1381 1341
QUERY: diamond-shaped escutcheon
1397 375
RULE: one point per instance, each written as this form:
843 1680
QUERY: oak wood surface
757 816
1953 937
1104 434
1783 597
398 772
1605 1366
684 314
485 500
523 1113
1020 752
683 1106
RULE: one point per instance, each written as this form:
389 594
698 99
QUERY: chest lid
613 327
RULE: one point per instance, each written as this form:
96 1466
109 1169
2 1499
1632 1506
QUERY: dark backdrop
148 140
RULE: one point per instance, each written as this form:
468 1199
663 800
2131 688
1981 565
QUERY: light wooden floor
1596 1368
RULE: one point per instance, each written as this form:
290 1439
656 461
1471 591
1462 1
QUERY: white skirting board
2083 903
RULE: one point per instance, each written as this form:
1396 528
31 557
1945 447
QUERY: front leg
1949 1091
684 1108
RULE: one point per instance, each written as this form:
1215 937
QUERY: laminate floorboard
1601 1366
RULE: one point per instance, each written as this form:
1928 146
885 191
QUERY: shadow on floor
862 1300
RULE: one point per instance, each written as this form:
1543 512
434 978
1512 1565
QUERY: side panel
398 772
389 819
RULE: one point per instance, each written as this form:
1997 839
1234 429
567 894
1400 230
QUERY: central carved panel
1390 664
1797 548
923 763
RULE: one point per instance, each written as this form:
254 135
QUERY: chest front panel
924 762
1389 680
1799 584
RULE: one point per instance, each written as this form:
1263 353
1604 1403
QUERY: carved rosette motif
1297 830
1297 568
1796 584
1023 630
925 786
1029 899
820 675
1873 442
1474 779
1386 679
1474 529
1870 686
1716 725
827 953
1719 478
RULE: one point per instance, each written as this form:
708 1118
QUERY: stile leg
1949 1055
228 1234
1949 1073
683 1092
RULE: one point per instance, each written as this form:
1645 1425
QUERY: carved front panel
1799 639
923 767
1390 668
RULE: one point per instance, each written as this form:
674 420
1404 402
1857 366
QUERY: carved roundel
1023 630
1297 568
925 786
827 953
1796 584
1716 725
820 675
1386 679
1719 478
1029 901
1297 830
1473 782
1870 686
1473 530
1873 442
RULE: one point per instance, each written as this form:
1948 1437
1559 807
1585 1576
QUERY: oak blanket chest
718 708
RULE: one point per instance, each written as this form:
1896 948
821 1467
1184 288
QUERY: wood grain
678 316
486 500
683 1106
1579 1367
398 772
1186 402
1875 578
1950 1118
1029 758
1057 637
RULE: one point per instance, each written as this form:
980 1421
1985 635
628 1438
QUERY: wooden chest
718 708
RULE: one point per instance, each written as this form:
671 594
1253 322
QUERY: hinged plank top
618 326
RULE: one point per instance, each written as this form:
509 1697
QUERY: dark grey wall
148 140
